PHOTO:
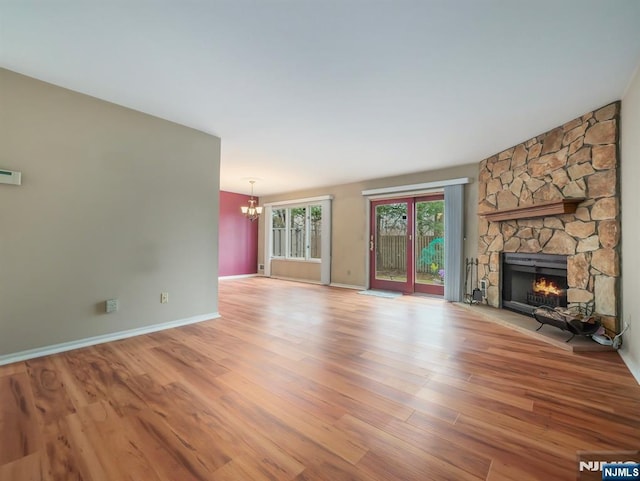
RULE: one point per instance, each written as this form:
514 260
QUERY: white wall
630 175
114 204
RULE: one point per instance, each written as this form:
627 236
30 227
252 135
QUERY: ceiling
310 93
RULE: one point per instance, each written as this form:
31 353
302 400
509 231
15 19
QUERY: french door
406 245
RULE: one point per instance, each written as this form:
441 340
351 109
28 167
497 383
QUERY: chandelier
251 211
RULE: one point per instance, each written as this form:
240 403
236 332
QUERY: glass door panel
406 245
429 269
390 245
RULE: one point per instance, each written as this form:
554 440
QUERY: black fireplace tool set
472 293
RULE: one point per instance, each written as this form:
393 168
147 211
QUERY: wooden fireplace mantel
563 206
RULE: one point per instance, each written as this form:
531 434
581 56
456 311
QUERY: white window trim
296 259
302 202
307 233
413 189
325 261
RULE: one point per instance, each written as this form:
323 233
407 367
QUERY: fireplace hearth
533 280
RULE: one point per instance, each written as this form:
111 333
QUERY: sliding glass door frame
393 259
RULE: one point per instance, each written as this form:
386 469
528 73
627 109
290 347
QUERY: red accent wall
238 237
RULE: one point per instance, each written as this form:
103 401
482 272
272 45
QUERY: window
279 232
299 231
296 232
315 240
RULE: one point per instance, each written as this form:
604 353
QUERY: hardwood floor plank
15 368
171 454
452 453
530 463
20 433
552 461
299 382
232 425
136 354
51 398
309 426
28 468
65 440
338 403
246 467
325 471
306 451
399 458
174 404
194 416
286 385
502 394
202 379
96 374
99 426
501 471
340 384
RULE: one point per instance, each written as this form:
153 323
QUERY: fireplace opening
533 280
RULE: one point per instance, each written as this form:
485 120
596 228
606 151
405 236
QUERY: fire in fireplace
546 293
533 280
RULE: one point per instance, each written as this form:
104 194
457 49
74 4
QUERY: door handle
371 246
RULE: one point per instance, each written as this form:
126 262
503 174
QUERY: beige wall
114 204
349 236
287 269
630 175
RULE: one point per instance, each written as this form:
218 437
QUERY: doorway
406 244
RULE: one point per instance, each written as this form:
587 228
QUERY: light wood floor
303 382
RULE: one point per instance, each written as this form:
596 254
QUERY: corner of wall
632 364
630 206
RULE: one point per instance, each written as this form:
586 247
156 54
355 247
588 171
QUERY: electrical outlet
111 305
164 297
483 287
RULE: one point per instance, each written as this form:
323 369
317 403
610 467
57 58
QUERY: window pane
391 241
279 228
316 232
297 230
430 242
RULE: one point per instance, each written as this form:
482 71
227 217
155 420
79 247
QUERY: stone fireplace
557 194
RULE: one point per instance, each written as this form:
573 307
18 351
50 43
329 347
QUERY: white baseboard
92 341
309 281
633 366
239 276
348 286
296 279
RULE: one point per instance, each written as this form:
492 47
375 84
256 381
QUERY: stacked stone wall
576 160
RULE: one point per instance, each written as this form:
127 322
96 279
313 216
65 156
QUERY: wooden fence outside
391 250
297 246
392 253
